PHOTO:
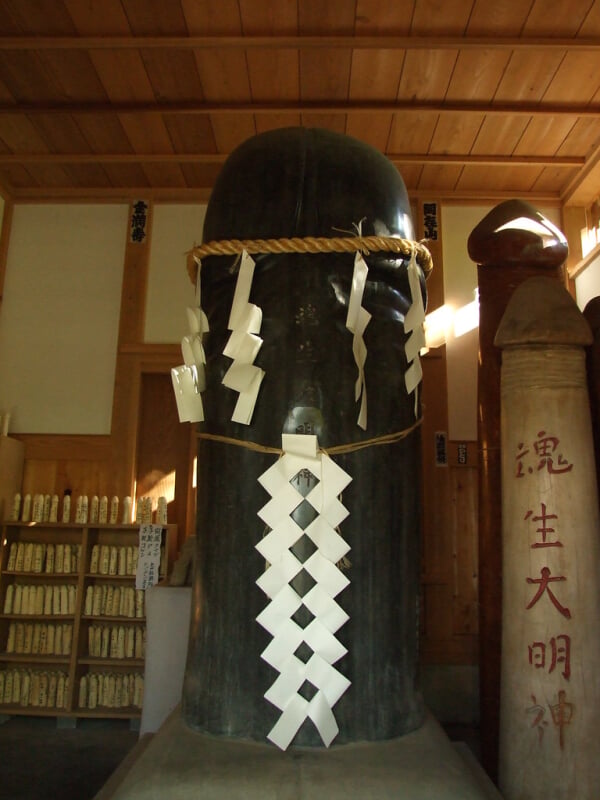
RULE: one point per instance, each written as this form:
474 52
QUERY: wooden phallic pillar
510 244
550 693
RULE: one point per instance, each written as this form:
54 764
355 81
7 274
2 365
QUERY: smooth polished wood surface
507 254
114 98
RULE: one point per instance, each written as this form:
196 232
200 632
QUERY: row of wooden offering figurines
114 559
111 690
116 641
39 557
106 600
87 510
39 638
27 687
40 599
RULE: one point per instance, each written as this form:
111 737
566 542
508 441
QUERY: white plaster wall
59 318
175 229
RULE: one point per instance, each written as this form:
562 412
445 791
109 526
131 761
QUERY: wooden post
592 315
131 334
550 696
512 243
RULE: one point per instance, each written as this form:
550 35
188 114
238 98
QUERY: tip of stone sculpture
541 311
514 233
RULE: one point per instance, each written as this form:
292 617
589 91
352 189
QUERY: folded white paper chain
243 345
300 452
357 320
413 324
189 379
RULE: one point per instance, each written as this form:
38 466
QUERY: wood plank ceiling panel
504 17
62 135
433 16
412 131
325 74
583 137
527 78
573 78
556 18
551 177
110 137
49 18
514 181
441 17
190 134
125 79
375 74
223 73
391 17
577 79
545 136
475 77
591 24
274 74
172 74
441 177
411 175
500 136
267 73
57 77
79 82
425 75
20 135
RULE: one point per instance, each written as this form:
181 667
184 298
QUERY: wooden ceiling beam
385 42
301 107
169 194
219 158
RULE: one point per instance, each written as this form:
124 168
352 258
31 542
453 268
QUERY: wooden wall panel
463 521
163 463
449 611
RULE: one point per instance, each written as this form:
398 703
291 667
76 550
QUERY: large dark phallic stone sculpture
290 183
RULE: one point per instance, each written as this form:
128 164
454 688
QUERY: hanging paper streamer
243 345
413 324
357 320
324 650
189 379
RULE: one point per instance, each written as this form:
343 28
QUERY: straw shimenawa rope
310 244
385 439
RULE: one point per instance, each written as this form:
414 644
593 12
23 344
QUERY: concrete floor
41 760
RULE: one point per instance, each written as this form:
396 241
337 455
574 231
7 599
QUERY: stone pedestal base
183 765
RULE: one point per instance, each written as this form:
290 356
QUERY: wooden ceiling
472 99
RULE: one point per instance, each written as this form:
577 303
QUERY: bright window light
446 322
466 318
438 326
